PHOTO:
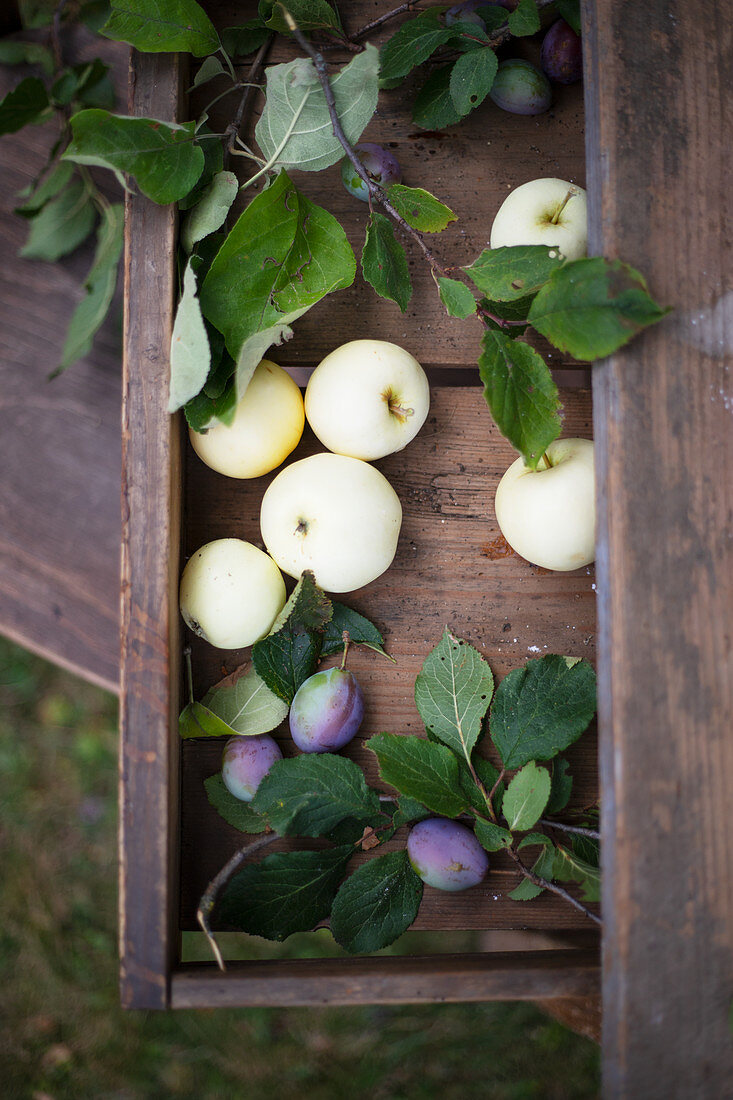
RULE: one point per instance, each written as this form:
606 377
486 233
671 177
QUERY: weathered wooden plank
151 500
498 976
660 160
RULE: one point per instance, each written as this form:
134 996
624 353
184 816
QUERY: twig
592 833
210 894
363 31
547 885
58 58
232 130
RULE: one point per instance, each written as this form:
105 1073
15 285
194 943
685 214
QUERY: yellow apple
267 426
231 593
548 515
548 211
367 399
335 515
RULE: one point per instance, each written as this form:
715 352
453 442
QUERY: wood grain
660 157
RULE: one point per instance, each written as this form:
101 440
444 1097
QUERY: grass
64 1035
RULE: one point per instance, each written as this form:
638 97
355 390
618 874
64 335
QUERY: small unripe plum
521 88
246 762
327 711
562 53
380 165
446 855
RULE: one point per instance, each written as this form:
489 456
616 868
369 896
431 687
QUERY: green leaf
196 720
520 393
360 630
588 849
99 285
88 84
38 196
526 797
376 904
422 770
243 40
162 26
452 692
487 775
285 893
456 297
310 15
526 891
244 701
515 311
62 225
471 78
203 411
160 155
414 43
541 709
189 353
524 20
309 795
569 867
562 786
542 866
283 255
533 839
25 105
289 653
210 212
513 272
235 812
209 69
570 11
407 811
433 108
210 145
384 263
419 208
592 307
492 837
295 130
16 52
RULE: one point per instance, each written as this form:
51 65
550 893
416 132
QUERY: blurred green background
64 1035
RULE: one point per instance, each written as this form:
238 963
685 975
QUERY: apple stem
556 216
189 672
546 459
347 642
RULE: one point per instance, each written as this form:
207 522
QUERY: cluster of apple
332 513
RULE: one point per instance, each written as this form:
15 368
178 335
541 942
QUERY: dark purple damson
446 855
327 711
246 762
562 54
380 165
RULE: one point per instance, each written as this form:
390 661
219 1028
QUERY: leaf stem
210 894
577 829
286 138
189 673
368 27
232 131
553 887
347 642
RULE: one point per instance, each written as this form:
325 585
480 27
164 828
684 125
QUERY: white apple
548 515
367 399
549 211
267 426
335 515
231 593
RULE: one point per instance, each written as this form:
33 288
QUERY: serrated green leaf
209 68
99 286
471 79
384 263
243 40
25 105
533 839
285 893
412 44
309 795
62 225
433 108
376 904
543 867
526 797
452 692
524 20
360 631
295 129
494 314
594 306
236 813
310 15
189 352
487 776
196 720
570 11
244 701
209 213
421 770
541 709
456 297
492 837
526 891
513 272
13 51
588 849
562 786
407 811
419 208
162 26
569 867
289 654
520 393
160 155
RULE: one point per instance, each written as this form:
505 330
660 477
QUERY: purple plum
327 711
521 88
467 11
246 762
446 854
380 165
562 53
